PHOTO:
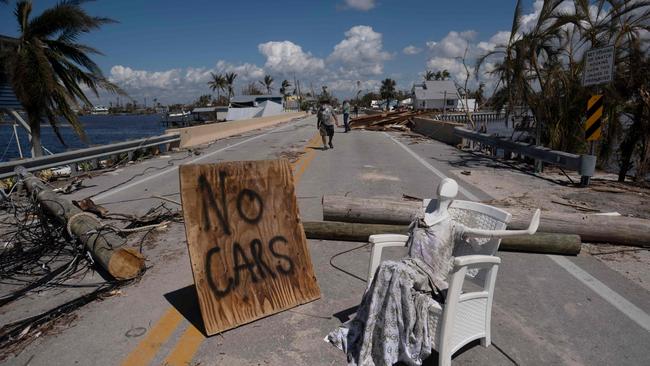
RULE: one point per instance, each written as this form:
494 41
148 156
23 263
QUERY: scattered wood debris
398 121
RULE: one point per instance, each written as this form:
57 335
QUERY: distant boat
177 119
179 115
99 110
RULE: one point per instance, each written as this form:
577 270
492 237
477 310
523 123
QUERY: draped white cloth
398 316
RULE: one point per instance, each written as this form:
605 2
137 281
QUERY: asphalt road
547 311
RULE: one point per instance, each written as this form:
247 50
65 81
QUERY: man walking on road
325 126
346 115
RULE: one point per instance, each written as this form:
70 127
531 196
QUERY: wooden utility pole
622 230
544 243
104 245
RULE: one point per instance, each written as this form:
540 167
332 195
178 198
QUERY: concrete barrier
197 135
438 130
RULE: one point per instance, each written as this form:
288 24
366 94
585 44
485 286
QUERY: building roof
436 89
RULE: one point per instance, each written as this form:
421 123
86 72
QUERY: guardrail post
74 169
587 169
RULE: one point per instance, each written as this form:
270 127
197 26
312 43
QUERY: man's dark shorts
327 130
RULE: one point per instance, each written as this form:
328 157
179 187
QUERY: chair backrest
479 216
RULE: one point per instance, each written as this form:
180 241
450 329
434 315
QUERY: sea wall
196 135
438 130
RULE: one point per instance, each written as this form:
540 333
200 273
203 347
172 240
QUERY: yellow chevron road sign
593 125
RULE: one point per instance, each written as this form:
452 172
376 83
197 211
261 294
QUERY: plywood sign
246 242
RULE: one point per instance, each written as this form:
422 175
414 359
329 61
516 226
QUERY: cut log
369 211
591 228
345 231
539 243
546 243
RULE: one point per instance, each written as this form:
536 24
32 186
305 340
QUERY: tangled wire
37 253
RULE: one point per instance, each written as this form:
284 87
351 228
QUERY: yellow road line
186 347
306 159
158 335
190 341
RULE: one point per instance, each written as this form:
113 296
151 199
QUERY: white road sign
599 66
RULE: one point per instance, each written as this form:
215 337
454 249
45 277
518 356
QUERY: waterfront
100 129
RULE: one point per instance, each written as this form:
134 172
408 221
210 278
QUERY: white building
435 94
471 105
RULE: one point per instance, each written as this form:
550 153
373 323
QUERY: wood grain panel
246 241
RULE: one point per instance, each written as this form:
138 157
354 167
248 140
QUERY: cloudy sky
166 49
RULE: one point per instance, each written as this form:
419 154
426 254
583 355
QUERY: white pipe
20 150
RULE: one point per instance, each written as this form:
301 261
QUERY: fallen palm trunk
104 245
544 243
590 227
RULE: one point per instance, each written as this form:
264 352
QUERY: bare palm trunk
35 127
629 145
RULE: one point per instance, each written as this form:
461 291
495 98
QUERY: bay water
100 129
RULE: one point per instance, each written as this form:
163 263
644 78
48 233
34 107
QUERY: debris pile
42 255
399 120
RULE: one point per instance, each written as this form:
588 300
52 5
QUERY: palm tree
230 81
47 67
429 75
267 82
542 69
387 91
284 88
218 83
441 75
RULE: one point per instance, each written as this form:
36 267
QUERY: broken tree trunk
104 245
590 227
544 243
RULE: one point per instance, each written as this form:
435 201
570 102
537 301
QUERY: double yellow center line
191 339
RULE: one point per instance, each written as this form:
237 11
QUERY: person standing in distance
346 115
325 126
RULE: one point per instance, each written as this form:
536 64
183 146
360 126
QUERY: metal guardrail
81 155
585 165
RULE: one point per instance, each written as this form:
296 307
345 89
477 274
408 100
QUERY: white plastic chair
465 316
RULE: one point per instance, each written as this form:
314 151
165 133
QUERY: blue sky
167 49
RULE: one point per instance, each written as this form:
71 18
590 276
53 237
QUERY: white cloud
528 21
363 5
447 54
453 44
130 78
287 57
411 50
499 39
178 85
245 72
360 53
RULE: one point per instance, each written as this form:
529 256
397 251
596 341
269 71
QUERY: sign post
246 242
599 69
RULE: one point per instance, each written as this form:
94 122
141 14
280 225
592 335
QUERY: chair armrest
467 260
377 244
383 238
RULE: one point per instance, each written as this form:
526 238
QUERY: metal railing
83 155
585 165
477 117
